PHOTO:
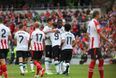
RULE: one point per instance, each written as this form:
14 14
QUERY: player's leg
0 64
25 60
0 71
67 61
48 60
37 55
56 51
92 62
62 61
3 62
30 62
20 59
101 63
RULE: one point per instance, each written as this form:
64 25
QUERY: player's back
68 38
4 34
92 30
55 38
37 39
22 39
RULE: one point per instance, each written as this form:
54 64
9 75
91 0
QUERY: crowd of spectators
77 18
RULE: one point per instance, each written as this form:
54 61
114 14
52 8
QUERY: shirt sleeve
97 25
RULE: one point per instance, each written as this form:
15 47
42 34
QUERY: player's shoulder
26 32
46 27
5 27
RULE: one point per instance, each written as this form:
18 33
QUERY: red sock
91 68
0 70
4 70
38 66
101 69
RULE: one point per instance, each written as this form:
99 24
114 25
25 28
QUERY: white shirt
61 30
4 34
93 29
22 39
68 38
37 39
46 29
55 38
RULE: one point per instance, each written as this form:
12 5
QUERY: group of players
56 41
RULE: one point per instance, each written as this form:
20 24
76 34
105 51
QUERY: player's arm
29 42
15 40
44 36
74 43
101 35
50 31
104 38
9 35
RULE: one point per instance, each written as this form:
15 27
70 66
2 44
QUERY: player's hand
111 44
54 30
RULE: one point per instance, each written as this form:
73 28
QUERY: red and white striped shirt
37 40
4 34
93 30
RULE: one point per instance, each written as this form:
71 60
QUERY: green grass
76 71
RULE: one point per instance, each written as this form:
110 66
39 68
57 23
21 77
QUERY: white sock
47 64
57 66
25 66
31 65
64 66
68 64
21 67
61 68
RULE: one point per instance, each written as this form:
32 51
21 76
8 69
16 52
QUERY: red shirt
12 27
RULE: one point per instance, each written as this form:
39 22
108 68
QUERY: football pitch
76 71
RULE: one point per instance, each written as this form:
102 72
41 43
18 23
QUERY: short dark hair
95 13
20 26
55 25
67 27
49 19
59 22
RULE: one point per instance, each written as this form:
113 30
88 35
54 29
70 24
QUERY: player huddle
56 41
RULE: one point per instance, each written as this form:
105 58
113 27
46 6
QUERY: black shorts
56 52
3 53
95 53
48 51
66 55
23 54
29 54
37 55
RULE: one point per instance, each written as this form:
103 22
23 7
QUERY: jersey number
21 38
38 37
69 39
3 33
56 36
